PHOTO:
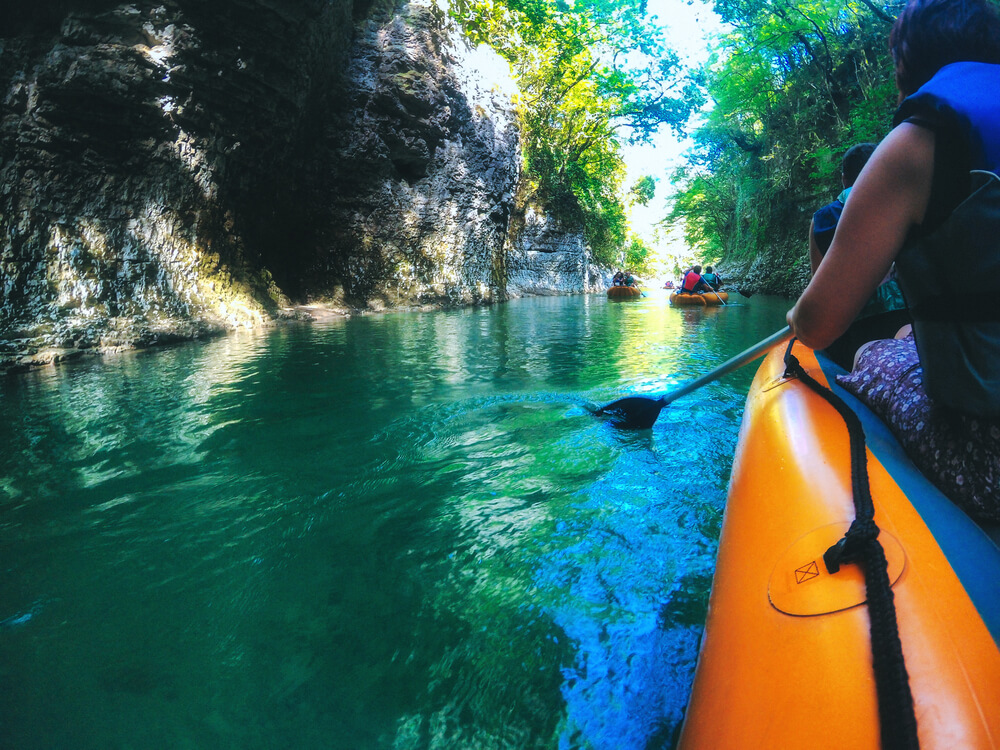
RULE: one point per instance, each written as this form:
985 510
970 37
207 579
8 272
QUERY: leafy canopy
794 83
594 73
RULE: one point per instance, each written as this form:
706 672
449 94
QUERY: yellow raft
708 299
786 659
623 292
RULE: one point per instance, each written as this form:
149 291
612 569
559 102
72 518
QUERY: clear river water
398 531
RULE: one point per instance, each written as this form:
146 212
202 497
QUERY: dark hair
708 269
854 161
696 269
930 34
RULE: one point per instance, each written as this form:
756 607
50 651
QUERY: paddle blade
637 412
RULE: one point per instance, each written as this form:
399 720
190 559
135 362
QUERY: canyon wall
169 169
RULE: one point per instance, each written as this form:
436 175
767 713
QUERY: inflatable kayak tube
708 299
786 658
623 292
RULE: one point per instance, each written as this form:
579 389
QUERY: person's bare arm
889 197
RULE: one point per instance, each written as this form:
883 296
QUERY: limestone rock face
138 141
425 158
175 167
547 258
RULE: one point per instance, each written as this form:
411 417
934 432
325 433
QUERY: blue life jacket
825 224
950 273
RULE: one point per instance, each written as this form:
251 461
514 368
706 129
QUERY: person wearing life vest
926 201
714 280
694 282
618 279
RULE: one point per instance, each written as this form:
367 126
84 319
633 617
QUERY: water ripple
405 531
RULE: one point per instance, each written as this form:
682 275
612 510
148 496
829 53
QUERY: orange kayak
623 292
708 299
786 659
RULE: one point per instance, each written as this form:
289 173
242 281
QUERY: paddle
720 297
641 411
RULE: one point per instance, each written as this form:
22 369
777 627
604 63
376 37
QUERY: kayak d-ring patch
800 584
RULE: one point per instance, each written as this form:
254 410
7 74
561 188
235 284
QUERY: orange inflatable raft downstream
623 292
708 299
786 658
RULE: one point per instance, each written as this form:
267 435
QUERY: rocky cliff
177 167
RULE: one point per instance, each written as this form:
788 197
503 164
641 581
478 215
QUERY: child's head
855 159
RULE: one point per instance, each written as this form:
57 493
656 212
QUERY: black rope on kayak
860 544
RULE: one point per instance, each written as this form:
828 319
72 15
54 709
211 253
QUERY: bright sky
688 24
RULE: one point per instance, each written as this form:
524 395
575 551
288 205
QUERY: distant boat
623 292
708 299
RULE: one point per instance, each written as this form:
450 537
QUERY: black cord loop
897 720
850 549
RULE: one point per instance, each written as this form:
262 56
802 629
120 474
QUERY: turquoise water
404 531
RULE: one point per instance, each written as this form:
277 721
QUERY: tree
643 191
593 73
794 84
637 256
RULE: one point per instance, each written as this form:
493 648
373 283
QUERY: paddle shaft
743 358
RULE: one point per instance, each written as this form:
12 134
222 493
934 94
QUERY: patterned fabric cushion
959 453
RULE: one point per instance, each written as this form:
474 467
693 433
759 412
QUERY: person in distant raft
713 279
629 280
618 279
694 282
885 312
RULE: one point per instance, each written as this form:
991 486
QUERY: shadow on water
398 532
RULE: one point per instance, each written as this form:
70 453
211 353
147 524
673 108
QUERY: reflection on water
396 532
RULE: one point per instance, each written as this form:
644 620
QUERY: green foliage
795 83
593 73
638 256
704 212
643 191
